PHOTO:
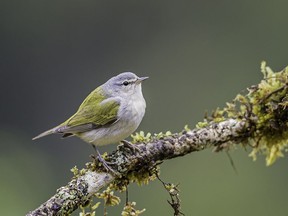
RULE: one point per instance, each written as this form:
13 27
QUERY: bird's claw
95 158
100 159
131 146
107 167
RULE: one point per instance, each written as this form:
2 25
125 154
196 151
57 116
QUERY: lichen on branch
258 119
264 108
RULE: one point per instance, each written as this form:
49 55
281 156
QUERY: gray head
124 84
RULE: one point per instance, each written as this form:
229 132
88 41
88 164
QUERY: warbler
109 114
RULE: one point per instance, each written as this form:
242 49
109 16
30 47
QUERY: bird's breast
129 115
133 111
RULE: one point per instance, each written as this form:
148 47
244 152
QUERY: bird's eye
125 83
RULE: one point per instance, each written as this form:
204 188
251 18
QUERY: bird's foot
131 146
95 158
107 167
105 163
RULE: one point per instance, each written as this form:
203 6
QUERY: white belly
130 116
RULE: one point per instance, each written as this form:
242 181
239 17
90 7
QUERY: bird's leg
127 197
131 146
107 167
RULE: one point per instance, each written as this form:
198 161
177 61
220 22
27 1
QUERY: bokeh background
198 55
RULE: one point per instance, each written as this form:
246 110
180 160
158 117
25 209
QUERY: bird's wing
94 112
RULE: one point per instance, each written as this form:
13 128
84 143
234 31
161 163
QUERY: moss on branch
264 108
258 119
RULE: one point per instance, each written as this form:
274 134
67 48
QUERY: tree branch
258 119
80 189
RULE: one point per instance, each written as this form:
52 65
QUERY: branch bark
260 120
79 190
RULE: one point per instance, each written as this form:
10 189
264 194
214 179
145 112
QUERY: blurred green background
198 55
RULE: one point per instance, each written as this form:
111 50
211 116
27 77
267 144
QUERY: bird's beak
140 79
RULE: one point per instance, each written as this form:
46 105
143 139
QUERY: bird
109 114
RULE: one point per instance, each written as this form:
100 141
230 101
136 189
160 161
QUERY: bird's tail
46 133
